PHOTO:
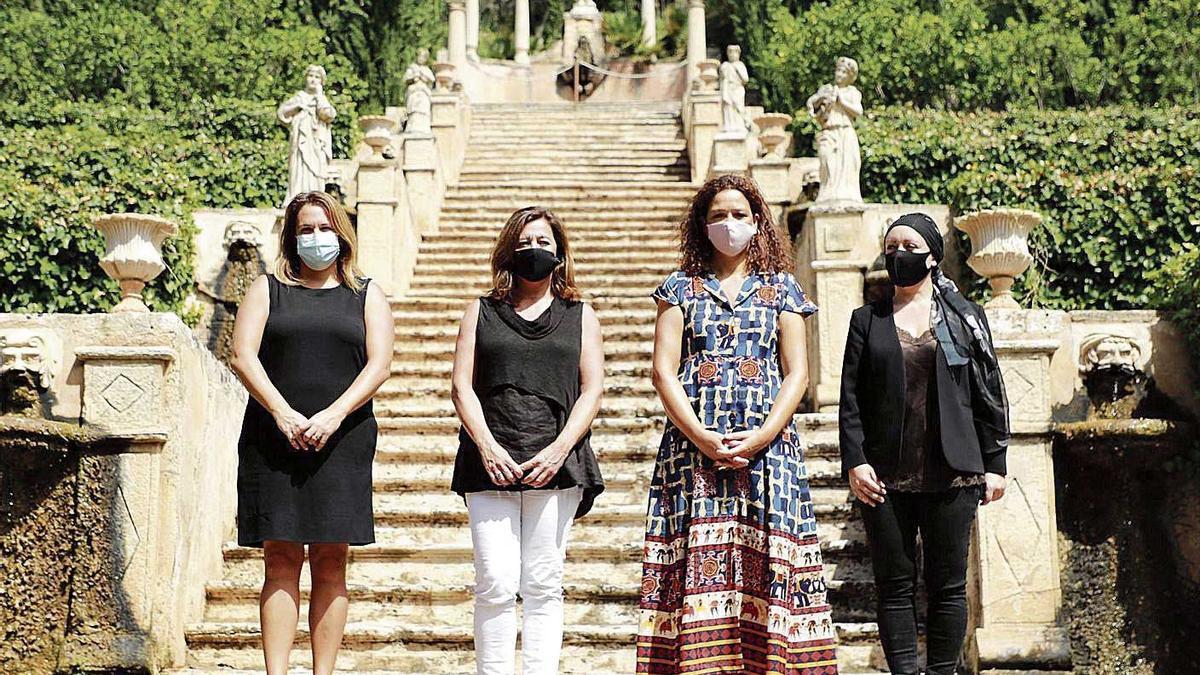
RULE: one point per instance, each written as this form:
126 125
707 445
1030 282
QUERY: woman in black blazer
923 426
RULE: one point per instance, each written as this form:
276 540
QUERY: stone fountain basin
41 435
1131 443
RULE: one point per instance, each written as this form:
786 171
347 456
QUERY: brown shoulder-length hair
287 264
767 253
563 283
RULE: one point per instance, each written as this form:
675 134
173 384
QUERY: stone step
575 136
586 563
450 604
434 649
655 151
812 431
466 292
578 192
458 302
520 164
663 240
551 176
665 224
573 213
644 282
585 264
480 249
568 188
626 482
442 369
439 386
432 406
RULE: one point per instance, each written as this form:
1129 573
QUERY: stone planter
999 248
772 133
707 74
444 75
377 132
133 253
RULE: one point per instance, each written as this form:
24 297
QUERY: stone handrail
399 194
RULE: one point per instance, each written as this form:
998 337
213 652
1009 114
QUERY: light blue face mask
318 249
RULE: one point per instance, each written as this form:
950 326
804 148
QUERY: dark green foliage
1116 185
1177 293
62 165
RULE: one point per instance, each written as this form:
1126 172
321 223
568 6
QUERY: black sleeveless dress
313 347
527 380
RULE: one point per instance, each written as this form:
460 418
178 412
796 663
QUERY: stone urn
999 248
133 253
706 74
444 75
772 133
377 132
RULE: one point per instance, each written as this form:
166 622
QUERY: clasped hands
537 472
309 433
733 450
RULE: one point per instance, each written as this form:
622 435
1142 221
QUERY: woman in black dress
924 433
528 373
312 344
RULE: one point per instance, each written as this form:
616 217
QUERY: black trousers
944 521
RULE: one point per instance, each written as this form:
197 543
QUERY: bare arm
496 460
793 358
545 465
247 338
381 335
668 336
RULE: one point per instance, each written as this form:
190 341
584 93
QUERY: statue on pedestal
733 77
308 114
419 98
835 107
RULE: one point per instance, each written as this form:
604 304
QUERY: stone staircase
618 177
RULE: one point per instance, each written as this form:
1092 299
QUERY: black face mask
534 264
906 268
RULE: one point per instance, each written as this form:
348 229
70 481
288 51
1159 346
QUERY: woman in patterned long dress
731 573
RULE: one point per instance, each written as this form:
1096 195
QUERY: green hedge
1117 187
1177 294
63 164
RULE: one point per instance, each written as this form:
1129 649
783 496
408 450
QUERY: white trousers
520 541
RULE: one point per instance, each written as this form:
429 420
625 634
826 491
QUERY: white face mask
731 236
318 249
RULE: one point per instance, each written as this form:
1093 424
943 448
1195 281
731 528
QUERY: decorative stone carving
309 114
418 100
377 132
123 388
999 248
734 77
835 107
32 351
772 133
242 231
707 75
1109 350
133 253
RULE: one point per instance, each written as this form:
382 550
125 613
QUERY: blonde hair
287 264
563 284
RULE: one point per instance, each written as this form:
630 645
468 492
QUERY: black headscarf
957 337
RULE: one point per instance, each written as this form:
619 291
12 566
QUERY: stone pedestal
730 153
772 175
1014 588
704 120
421 161
377 221
450 143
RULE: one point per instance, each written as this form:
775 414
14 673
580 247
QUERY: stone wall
108 547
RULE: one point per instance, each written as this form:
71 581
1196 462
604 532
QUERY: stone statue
734 76
243 264
419 98
835 107
309 114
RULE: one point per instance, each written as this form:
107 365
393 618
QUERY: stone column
473 30
1014 591
457 41
697 45
521 36
649 24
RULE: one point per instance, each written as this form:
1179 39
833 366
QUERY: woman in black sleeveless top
312 344
528 373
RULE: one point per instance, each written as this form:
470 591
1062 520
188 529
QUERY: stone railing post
1014 591
703 119
381 224
449 129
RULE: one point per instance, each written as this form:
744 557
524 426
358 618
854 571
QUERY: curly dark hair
768 251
